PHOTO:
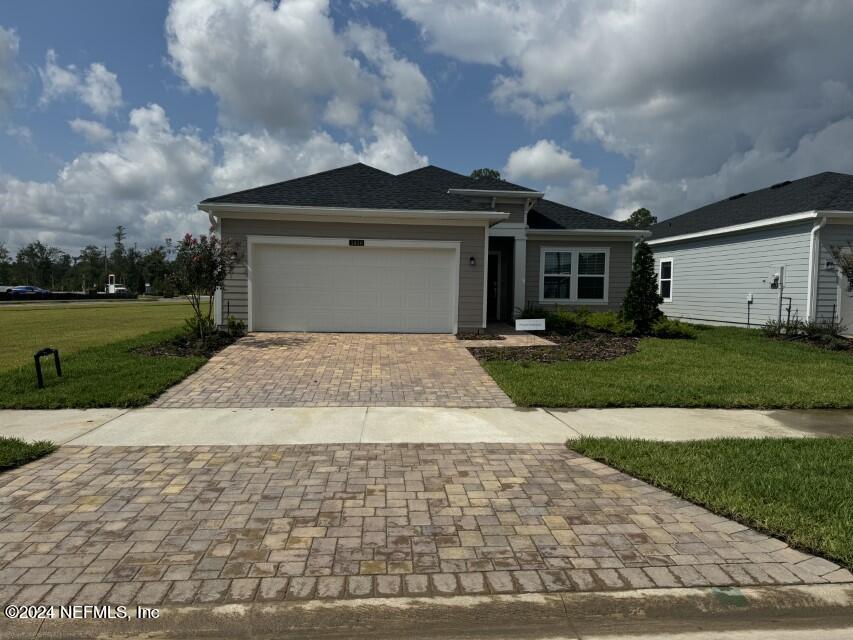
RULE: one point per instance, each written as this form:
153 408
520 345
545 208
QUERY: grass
71 328
109 375
798 490
14 452
722 367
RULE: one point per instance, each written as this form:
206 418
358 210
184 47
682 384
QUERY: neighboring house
359 249
719 264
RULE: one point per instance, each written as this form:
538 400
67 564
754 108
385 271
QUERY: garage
353 285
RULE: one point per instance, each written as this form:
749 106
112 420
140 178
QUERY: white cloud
148 179
700 98
97 87
10 77
93 131
150 176
283 66
562 175
21 133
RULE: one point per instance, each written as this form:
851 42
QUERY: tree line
52 268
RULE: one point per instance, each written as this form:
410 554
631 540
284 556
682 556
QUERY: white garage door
331 286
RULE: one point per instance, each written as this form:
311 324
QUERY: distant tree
155 268
642 218
5 265
485 172
642 300
34 264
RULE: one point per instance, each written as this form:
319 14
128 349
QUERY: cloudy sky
126 112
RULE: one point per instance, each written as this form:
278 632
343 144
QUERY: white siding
832 235
713 276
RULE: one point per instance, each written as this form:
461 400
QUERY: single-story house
430 250
759 256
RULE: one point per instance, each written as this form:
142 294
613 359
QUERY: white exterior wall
712 276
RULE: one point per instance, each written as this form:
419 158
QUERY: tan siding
235 294
619 269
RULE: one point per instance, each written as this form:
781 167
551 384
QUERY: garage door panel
341 288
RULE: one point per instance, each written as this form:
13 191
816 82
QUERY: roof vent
779 185
738 196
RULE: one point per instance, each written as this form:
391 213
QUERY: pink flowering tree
200 268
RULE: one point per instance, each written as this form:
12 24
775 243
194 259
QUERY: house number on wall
356 243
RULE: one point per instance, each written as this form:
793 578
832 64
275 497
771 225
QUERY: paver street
153 525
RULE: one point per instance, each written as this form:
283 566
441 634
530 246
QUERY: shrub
236 328
672 329
609 322
642 298
195 327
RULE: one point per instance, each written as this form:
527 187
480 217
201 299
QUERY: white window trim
671 278
573 286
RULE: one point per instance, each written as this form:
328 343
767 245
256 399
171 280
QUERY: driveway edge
572 615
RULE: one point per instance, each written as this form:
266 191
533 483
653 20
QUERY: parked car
6 288
28 290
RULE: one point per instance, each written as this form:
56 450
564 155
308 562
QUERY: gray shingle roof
824 191
445 179
356 186
359 186
547 214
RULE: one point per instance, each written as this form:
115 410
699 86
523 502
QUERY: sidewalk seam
100 426
562 422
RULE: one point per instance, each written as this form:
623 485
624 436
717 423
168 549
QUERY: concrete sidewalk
142 427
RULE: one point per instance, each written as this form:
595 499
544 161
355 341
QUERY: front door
493 282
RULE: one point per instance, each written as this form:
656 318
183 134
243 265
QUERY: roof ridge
310 175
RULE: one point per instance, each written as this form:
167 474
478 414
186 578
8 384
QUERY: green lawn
798 490
27 328
14 452
109 375
722 367
99 365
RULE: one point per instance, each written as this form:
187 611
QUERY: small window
557 283
666 279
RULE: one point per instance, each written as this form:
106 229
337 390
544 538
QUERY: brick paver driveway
154 525
339 369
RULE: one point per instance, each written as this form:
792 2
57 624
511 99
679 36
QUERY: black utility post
46 352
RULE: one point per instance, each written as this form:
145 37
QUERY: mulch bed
579 346
473 335
183 347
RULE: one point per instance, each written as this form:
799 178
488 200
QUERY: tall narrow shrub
642 300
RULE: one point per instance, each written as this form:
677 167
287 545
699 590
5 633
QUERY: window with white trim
570 274
665 279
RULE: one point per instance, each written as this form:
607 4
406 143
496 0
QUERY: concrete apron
149 427
749 613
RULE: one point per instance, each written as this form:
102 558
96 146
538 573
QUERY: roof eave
248 210
756 224
496 193
627 233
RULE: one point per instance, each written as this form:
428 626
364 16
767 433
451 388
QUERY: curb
571 615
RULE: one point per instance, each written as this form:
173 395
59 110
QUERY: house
759 256
359 249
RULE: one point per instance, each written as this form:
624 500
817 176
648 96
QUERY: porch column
519 267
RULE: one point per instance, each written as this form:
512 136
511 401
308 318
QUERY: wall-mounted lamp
472 261
830 265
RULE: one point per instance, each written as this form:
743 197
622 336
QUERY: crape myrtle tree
642 300
200 268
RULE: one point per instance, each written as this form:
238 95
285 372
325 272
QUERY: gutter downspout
814 259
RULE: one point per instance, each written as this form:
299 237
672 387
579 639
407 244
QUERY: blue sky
121 112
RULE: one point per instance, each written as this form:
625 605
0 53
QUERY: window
665 279
573 275
558 275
